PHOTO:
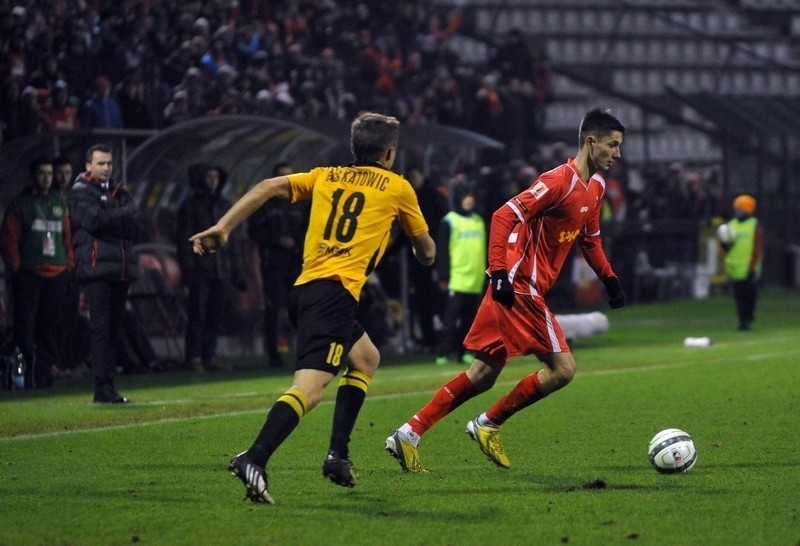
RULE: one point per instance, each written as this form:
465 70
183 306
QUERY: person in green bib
461 270
36 244
743 257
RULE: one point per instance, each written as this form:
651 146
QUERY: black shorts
324 315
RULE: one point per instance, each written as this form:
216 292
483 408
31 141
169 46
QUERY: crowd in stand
66 65
137 64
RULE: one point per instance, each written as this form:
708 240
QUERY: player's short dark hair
104 148
371 135
35 163
599 122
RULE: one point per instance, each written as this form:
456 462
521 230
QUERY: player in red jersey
530 238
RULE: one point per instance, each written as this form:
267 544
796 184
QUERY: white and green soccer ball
725 234
672 451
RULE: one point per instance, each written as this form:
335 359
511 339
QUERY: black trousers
106 301
745 294
426 301
460 309
277 284
204 308
68 330
37 313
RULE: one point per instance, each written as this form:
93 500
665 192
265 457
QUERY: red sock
454 393
524 393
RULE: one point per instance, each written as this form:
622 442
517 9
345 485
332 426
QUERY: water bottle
697 342
17 370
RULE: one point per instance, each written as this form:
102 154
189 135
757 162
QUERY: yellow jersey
352 211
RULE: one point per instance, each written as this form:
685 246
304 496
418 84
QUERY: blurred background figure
744 252
101 110
62 112
62 174
37 251
425 300
207 278
461 265
279 229
68 329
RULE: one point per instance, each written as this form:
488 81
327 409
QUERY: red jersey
532 234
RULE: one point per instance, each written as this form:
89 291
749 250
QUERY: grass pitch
154 472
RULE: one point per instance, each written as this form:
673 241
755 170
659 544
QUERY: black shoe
338 470
253 476
107 395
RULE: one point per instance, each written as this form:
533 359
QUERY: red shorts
527 328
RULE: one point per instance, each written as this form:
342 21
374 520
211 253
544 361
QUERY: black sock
281 420
349 399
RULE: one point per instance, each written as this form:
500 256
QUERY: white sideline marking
171 420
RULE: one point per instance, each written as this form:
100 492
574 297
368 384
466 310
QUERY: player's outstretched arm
209 241
215 237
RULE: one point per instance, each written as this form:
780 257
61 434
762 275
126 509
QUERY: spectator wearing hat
743 258
177 110
264 106
194 88
101 110
132 102
62 113
222 88
32 120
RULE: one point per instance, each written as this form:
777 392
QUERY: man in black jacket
279 228
105 224
426 301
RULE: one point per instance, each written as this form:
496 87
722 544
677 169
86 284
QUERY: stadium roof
155 163
248 147
777 116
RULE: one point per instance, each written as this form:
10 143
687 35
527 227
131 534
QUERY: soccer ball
725 234
672 451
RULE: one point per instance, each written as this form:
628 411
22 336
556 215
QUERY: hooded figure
207 276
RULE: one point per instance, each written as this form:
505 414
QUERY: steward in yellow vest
743 258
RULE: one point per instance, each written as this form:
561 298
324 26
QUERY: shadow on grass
125 382
725 466
244 367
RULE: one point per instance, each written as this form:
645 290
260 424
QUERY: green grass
154 472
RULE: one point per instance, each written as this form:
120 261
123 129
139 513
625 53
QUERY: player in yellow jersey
352 211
